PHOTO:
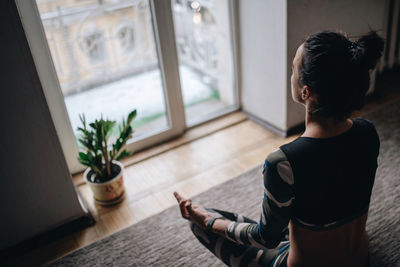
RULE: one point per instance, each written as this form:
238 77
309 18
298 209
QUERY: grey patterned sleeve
277 206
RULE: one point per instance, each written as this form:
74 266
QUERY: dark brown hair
337 70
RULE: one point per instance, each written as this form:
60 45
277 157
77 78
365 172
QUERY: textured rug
165 239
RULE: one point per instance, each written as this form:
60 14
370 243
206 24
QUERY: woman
318 187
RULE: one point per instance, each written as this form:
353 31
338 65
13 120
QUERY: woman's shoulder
275 159
364 122
367 129
278 166
276 156
298 146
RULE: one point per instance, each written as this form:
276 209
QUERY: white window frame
168 63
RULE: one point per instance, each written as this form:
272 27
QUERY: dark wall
36 191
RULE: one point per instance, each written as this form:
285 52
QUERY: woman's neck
319 127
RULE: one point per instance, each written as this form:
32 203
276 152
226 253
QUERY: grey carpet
165 239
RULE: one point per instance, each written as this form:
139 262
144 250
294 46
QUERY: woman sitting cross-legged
317 188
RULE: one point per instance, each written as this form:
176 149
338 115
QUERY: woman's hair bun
367 50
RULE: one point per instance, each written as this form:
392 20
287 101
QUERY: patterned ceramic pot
110 192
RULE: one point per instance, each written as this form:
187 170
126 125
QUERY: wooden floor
189 167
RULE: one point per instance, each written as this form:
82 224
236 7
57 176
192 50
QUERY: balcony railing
106 41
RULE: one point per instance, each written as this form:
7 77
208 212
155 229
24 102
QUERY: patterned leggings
234 254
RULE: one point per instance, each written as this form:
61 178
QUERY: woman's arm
277 207
276 211
220 226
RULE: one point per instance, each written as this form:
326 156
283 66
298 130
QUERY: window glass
106 61
204 42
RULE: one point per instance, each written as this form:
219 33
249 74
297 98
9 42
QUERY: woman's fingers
190 211
183 204
178 197
198 215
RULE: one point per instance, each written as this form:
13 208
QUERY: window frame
162 19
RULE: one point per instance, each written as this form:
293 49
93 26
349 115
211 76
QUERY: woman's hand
192 212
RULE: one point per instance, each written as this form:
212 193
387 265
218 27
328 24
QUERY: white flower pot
110 192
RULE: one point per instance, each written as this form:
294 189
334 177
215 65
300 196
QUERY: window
111 57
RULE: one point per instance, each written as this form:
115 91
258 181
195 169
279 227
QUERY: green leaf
94 140
93 125
131 116
83 120
83 156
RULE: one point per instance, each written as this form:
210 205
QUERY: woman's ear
305 93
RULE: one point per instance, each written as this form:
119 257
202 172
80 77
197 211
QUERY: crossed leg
234 254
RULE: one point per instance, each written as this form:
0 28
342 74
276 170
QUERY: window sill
190 135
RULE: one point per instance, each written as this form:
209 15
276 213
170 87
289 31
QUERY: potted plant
104 173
